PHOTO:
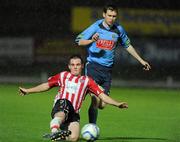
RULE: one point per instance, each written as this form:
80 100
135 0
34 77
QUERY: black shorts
101 74
65 106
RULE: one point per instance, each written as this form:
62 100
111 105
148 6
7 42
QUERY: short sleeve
87 33
54 80
124 39
94 88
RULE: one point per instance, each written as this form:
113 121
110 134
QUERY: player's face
110 17
75 66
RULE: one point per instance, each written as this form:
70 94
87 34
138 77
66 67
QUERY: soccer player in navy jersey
73 88
101 38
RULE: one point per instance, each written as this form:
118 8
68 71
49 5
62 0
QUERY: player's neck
77 75
106 25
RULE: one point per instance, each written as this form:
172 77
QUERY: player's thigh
93 71
74 127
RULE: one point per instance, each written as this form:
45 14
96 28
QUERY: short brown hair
110 7
76 56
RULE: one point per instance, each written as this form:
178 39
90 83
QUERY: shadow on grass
131 139
124 139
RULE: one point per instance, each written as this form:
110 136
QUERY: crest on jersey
82 80
113 35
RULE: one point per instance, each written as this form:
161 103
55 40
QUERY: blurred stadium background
37 36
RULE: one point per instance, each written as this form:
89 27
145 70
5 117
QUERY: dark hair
76 56
110 7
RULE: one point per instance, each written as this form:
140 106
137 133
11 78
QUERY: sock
93 113
55 124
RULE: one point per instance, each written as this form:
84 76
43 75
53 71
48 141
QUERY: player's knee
73 138
102 105
95 102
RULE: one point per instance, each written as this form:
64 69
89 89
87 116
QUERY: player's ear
104 14
69 66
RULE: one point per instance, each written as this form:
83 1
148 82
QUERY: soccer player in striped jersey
101 39
73 88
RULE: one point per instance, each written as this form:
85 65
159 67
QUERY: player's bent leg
98 103
56 121
95 101
101 104
74 127
93 110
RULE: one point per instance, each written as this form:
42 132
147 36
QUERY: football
90 132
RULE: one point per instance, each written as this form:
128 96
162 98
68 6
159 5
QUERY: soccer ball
90 132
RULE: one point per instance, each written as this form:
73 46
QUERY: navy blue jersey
102 51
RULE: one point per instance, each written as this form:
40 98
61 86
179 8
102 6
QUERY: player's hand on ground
95 37
123 105
22 91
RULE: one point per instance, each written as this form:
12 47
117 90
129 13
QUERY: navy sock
93 113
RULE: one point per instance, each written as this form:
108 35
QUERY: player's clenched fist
123 105
22 91
95 37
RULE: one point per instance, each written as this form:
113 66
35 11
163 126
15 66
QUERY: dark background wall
48 23
52 17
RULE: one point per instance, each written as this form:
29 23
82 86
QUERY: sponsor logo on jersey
71 87
105 44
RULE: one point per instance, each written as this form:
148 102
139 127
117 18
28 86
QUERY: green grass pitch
153 116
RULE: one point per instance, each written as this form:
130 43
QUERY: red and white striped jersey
73 88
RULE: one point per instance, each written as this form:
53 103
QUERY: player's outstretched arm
133 52
113 102
40 88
